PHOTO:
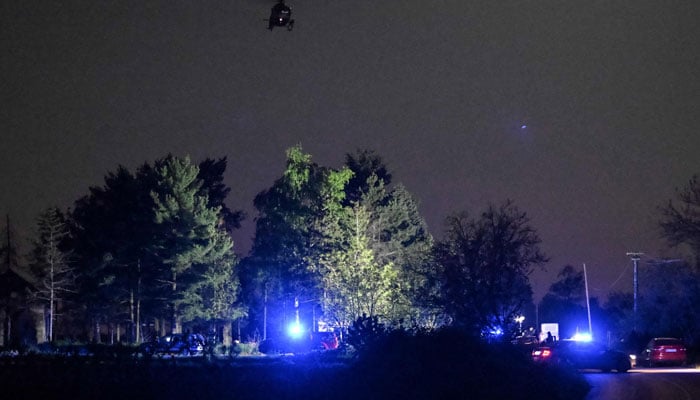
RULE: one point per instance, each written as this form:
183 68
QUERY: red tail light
544 353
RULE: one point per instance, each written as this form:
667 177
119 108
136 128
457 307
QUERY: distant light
582 337
295 330
496 332
523 127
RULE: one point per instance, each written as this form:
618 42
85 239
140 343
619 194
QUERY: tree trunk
175 325
227 339
265 315
51 293
132 318
139 339
98 334
138 321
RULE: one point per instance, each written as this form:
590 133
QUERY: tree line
150 251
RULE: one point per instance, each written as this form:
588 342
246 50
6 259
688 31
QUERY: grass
398 367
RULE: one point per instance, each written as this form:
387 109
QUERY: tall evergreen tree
211 172
399 236
122 231
189 238
51 265
364 164
112 229
353 282
8 248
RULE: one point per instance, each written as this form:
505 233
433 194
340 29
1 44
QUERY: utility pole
635 257
588 301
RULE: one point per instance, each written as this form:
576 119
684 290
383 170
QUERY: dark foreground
402 370
673 383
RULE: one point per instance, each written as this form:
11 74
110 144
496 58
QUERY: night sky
585 114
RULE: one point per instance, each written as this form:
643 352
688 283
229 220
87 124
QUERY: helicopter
280 15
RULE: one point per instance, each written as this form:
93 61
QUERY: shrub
365 332
451 364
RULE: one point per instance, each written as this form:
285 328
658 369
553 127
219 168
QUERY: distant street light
519 319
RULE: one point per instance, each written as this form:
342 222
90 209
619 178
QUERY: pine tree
190 236
8 249
353 282
55 276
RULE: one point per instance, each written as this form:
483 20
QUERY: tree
8 248
364 164
485 266
398 235
112 230
287 234
13 286
670 301
211 172
353 282
680 221
563 302
189 237
122 248
219 295
303 220
51 264
619 313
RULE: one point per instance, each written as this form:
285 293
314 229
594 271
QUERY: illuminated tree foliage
398 235
680 220
485 266
302 222
353 282
50 265
287 235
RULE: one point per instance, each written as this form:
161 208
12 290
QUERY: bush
247 349
365 332
450 364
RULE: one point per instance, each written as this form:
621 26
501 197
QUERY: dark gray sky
609 93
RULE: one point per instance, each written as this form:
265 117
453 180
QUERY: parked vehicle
582 355
175 344
663 351
325 340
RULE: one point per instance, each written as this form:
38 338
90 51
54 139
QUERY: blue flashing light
582 337
295 330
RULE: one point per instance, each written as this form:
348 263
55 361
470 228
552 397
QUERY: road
645 383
